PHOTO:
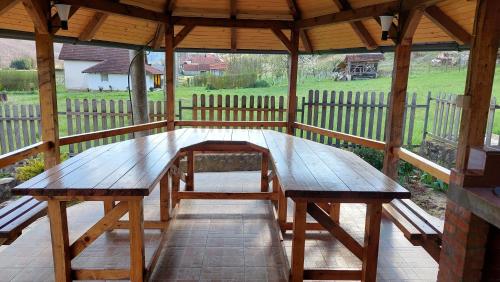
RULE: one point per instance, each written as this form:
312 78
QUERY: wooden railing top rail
110 132
378 145
200 123
23 153
424 164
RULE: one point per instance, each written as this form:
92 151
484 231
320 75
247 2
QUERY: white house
100 68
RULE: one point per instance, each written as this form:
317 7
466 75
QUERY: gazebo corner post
170 74
466 237
292 80
397 101
44 45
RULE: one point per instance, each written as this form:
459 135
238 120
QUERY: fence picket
252 107
266 108
78 123
259 108
355 115
95 120
411 121
211 107
219 107
380 115
235 107
331 121
363 114
195 107
372 114
324 102
281 105
17 133
24 124
309 112
112 116
348 115
243 108
315 113
104 119
3 147
86 120
340 115
33 131
121 117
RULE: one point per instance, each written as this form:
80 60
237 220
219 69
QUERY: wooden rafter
39 14
158 37
448 25
6 5
409 22
170 6
234 11
182 34
358 27
297 14
92 27
55 22
283 38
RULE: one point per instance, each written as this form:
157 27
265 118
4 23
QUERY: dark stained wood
39 12
283 38
182 34
6 5
170 75
190 171
17 215
331 274
292 80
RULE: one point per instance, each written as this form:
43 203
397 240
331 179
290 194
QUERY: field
421 82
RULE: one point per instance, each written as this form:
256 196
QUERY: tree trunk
139 90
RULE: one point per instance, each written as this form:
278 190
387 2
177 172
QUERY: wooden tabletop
133 168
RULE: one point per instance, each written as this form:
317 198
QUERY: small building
100 68
359 66
198 64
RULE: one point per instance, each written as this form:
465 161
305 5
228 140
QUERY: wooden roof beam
297 14
366 12
39 14
234 11
358 27
92 27
158 37
239 23
283 38
448 25
409 22
182 34
6 5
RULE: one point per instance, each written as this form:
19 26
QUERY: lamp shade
63 12
386 22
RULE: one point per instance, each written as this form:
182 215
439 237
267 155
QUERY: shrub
226 81
261 84
32 168
25 63
371 156
17 80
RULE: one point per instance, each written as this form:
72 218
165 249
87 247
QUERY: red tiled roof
202 59
112 60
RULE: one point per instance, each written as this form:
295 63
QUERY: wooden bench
18 215
419 227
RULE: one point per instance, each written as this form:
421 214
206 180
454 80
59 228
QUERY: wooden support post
335 212
298 241
276 189
396 107
170 74
164 198
478 87
264 182
47 95
60 240
190 171
372 236
137 258
139 90
292 80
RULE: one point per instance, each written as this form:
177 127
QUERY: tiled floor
216 241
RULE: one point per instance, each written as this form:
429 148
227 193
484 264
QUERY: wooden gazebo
298 27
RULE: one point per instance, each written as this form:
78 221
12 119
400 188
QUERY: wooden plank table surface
313 175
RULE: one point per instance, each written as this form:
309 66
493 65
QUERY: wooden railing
432 168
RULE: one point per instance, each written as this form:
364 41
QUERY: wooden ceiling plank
55 22
39 14
358 27
182 34
158 37
6 5
283 38
240 23
92 27
448 25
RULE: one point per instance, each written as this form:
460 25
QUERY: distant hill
11 49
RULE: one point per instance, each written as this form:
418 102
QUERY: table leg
108 206
190 171
335 212
282 207
176 182
372 235
164 199
276 191
137 260
60 241
298 241
264 183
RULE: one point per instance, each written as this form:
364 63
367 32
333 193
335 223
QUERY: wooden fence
356 113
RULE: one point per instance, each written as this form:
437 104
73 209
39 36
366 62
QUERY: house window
104 77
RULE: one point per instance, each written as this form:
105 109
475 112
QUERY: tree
25 63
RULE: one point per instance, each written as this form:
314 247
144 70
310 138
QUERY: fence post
180 109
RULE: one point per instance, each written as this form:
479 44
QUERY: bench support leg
60 240
137 259
298 241
282 209
335 212
264 182
276 191
190 171
370 247
176 182
164 198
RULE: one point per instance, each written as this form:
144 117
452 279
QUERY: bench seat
18 215
419 227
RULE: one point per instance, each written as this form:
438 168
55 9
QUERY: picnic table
121 174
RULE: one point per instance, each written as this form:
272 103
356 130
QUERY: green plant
372 156
434 183
33 167
18 80
25 63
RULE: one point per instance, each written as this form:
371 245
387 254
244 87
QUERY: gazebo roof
445 25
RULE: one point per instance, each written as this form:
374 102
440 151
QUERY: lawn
420 82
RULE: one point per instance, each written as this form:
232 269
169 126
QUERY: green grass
421 82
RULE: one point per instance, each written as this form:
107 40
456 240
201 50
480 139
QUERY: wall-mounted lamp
63 12
386 22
